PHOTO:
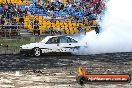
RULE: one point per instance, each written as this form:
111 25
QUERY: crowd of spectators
83 11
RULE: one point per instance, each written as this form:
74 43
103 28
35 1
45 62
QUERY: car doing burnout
53 44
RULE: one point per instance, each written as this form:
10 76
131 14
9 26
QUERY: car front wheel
37 52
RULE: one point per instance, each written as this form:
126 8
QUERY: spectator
36 29
84 11
97 29
2 20
79 28
52 32
0 9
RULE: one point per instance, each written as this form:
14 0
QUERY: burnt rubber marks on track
60 71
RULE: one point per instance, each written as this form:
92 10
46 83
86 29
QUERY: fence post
5 33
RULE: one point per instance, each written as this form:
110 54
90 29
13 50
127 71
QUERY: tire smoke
116 34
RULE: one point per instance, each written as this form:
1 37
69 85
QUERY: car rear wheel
37 52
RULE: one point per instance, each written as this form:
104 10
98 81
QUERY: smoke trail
116 33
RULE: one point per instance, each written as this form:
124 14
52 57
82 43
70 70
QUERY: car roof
59 36
48 37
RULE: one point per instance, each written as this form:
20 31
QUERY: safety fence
10 30
13 33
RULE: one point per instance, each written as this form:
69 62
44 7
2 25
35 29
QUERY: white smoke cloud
116 35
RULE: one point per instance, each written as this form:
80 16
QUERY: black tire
36 52
81 80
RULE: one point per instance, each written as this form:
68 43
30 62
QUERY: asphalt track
20 62
61 68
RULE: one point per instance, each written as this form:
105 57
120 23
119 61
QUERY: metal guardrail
10 25
9 32
15 32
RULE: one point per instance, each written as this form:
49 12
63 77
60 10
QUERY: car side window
70 40
63 40
53 40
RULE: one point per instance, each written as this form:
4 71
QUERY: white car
53 44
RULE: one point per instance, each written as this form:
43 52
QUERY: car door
52 45
67 44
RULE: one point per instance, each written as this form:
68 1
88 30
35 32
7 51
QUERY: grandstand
49 16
